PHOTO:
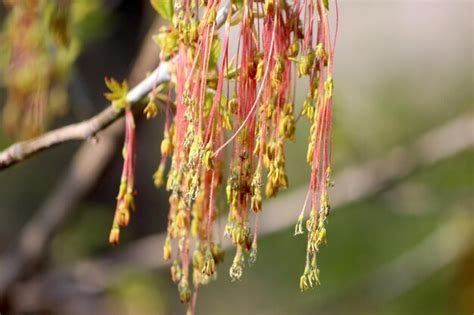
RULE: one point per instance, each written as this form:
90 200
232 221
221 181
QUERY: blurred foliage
40 42
140 293
83 237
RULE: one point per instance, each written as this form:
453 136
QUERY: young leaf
164 8
118 93
326 4
215 52
167 40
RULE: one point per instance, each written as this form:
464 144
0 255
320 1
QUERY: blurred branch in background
442 247
84 172
91 278
451 241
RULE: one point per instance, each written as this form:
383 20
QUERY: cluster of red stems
252 97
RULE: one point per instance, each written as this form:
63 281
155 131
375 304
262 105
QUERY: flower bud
217 253
209 264
270 190
151 110
184 291
158 176
236 270
198 259
114 236
294 49
166 147
123 217
167 249
176 272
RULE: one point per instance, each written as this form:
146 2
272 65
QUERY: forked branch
83 130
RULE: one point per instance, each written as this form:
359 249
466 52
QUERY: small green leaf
326 4
215 52
118 93
167 40
164 8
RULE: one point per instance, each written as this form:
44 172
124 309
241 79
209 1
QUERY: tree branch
83 130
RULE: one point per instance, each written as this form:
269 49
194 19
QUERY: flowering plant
229 111
245 104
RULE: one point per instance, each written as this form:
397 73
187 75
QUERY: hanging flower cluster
125 197
244 106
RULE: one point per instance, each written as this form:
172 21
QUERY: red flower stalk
125 197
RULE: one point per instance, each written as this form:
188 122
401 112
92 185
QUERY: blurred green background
403 68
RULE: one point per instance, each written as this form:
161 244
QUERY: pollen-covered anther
123 216
299 225
304 283
208 157
166 146
328 85
287 127
209 264
114 236
320 52
277 73
176 271
151 110
184 291
306 64
198 259
322 236
253 254
236 269
308 108
158 176
256 202
270 190
167 249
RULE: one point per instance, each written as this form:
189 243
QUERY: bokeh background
401 233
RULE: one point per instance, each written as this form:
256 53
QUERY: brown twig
84 130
